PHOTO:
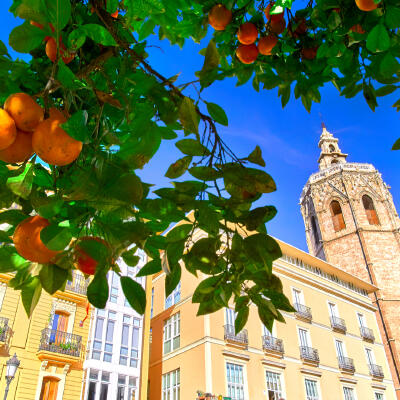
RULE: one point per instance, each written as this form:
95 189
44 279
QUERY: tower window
315 231
331 148
370 210
337 216
334 161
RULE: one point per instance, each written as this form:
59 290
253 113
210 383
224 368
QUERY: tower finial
330 151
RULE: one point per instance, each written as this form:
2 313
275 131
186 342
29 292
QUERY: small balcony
78 284
240 339
309 355
272 344
367 334
376 371
303 312
346 364
3 329
59 342
338 324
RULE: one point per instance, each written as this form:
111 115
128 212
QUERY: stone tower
351 221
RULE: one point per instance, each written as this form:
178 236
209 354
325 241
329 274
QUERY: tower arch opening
315 232
331 148
370 210
337 216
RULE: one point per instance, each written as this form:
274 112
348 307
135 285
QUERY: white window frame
349 387
108 315
361 324
333 309
369 350
133 324
172 391
174 297
172 333
335 341
230 314
244 374
281 379
317 385
380 393
300 299
309 344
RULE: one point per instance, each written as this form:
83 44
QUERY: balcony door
333 310
370 356
361 320
49 388
59 327
304 338
340 349
298 296
230 316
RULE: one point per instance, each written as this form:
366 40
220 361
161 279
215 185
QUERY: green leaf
392 17
208 219
241 319
30 294
152 267
21 184
284 93
204 173
179 233
26 37
255 157
12 217
130 258
179 167
98 34
378 39
134 293
369 95
111 6
55 237
10 260
52 278
76 126
58 12
389 65
31 10
76 38
211 59
258 216
97 291
172 279
192 147
385 90
66 77
51 207
126 188
217 113
396 145
188 116
266 317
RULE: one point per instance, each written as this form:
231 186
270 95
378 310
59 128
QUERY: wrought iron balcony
309 354
60 342
3 329
338 324
376 371
303 312
367 333
271 343
240 338
346 364
78 284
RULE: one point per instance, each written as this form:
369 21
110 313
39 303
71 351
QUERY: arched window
370 210
49 388
334 161
315 231
337 216
331 148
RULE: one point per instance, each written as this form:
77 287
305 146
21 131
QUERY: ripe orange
8 130
266 44
24 110
83 261
278 26
20 150
357 28
272 17
28 243
247 54
366 5
309 53
247 33
219 17
51 51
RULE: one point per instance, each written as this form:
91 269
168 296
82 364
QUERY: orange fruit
272 17
20 150
309 53
24 110
357 28
84 262
219 17
51 51
247 54
278 26
52 144
27 240
366 5
247 33
114 14
8 130
266 44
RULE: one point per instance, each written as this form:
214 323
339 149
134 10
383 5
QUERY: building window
235 379
337 216
340 349
129 350
298 297
93 377
172 331
49 388
370 356
174 297
274 386
379 396
103 335
370 210
105 380
333 310
114 287
361 320
331 148
311 390
171 385
348 393
315 231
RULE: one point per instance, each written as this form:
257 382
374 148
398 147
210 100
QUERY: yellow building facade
330 349
51 345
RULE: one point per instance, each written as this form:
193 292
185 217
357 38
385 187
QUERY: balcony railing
240 338
273 344
376 371
78 284
338 324
367 333
346 363
309 354
3 329
60 342
303 311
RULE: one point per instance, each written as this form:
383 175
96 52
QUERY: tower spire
330 151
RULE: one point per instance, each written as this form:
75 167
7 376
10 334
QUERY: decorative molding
377 386
310 372
347 380
272 363
236 355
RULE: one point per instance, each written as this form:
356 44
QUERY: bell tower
351 222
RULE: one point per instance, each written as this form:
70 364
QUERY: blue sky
288 137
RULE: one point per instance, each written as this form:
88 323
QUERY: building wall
203 351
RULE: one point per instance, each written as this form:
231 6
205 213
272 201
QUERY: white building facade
112 365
